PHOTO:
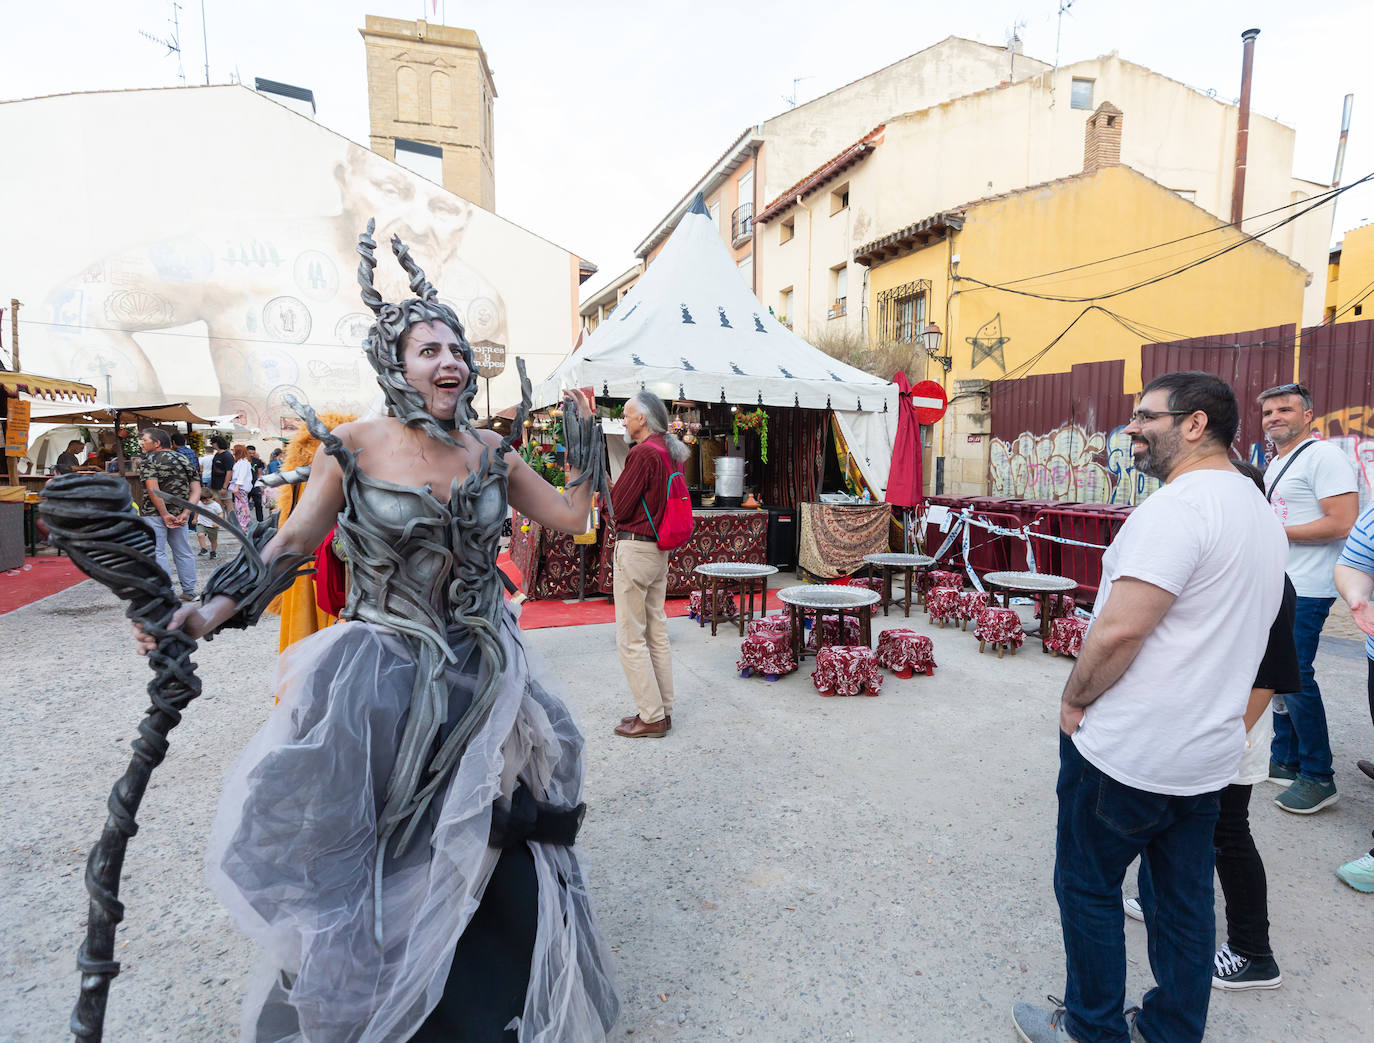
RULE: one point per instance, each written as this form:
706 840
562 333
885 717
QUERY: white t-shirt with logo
1174 722
1321 471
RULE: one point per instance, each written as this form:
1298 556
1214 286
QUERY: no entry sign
929 399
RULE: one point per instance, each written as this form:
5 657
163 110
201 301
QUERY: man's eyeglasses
1286 389
1140 416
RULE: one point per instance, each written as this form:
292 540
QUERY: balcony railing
741 224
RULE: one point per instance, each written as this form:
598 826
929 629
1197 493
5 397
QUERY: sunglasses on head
1286 389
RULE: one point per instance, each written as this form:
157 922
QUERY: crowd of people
1174 707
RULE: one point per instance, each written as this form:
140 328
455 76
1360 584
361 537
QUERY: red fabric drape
905 482
330 588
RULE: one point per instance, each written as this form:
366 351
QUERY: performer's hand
190 618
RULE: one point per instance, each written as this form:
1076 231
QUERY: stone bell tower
430 95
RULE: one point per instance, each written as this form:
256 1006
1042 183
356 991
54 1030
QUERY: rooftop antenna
173 41
792 98
1064 5
1014 44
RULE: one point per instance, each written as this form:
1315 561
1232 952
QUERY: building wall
431 84
1353 277
1059 226
218 266
803 138
1008 137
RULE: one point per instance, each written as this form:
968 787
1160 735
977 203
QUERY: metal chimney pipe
1243 127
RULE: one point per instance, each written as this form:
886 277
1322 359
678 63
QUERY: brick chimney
1102 142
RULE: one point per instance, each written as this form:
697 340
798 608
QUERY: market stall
15 499
770 419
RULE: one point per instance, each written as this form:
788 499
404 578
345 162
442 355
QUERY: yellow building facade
986 274
1350 277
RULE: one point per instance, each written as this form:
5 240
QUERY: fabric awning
46 387
168 412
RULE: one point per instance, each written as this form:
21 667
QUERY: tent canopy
45 387
691 328
168 413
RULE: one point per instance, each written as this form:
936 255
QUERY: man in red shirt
638 499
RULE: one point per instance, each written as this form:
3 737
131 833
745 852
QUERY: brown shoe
667 719
637 729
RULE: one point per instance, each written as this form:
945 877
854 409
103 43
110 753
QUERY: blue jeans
1103 827
181 551
1301 742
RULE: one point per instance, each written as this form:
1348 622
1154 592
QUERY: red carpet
598 608
37 578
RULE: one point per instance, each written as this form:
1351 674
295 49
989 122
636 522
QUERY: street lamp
932 337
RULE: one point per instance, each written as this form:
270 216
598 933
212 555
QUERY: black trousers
491 967
1241 872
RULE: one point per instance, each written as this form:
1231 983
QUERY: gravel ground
781 867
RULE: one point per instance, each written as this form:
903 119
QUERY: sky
608 112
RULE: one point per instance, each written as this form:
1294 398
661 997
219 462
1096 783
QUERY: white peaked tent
691 329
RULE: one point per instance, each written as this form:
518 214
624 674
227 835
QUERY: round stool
695 611
942 604
774 624
1066 635
968 605
846 670
1000 627
1060 605
852 633
766 653
905 652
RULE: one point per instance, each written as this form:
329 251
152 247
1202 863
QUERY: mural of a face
235 315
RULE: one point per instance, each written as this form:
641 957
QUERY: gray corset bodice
418 565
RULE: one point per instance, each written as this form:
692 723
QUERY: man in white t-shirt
1152 719
1312 487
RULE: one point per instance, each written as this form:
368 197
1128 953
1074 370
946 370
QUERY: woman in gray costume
398 835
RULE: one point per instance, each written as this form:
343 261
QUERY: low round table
750 580
908 563
819 601
1039 585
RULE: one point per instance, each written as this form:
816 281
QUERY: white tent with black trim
690 328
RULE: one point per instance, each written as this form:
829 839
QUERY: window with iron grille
902 312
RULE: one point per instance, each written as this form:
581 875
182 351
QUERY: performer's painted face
433 359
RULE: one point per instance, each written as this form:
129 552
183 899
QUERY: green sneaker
1359 874
1306 796
1278 773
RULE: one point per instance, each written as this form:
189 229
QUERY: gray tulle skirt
293 848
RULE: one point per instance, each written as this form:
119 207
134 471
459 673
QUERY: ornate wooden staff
92 518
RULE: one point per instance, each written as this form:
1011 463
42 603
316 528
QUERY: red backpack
677 511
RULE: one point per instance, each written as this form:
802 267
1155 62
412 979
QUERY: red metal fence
1250 361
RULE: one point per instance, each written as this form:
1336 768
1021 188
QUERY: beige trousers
641 626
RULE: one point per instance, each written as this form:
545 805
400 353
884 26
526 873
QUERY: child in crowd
207 531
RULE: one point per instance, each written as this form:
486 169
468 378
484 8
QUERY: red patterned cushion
969 604
774 624
852 633
945 579
844 670
904 651
766 654
943 605
1066 635
726 601
867 582
1060 605
999 626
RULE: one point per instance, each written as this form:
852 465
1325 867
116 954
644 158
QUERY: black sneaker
1366 766
202 553
212 555
1233 972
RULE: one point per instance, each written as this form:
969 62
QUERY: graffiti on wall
1071 464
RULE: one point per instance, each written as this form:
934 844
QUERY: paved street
781 867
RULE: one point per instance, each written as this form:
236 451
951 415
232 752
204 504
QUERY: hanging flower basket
757 421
